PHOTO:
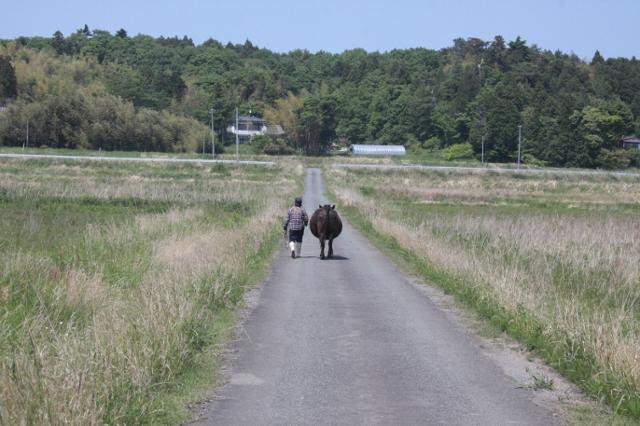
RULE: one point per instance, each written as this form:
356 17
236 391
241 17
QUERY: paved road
344 165
350 341
564 172
144 159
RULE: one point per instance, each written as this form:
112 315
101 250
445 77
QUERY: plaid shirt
296 219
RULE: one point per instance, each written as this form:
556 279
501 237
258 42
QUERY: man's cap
298 201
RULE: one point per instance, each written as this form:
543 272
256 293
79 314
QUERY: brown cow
325 224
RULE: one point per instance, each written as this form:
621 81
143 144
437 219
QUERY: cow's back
313 223
336 224
317 224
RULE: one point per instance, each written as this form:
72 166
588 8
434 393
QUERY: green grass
202 369
422 156
127 279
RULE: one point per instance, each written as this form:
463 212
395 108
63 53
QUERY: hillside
98 90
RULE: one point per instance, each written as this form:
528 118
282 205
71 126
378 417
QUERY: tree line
64 102
572 112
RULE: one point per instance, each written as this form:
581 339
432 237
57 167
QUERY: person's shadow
326 258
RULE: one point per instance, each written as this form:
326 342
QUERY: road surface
140 159
350 341
563 172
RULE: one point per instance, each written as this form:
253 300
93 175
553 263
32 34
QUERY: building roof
378 149
633 139
251 118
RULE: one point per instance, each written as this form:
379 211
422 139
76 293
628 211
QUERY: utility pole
483 125
237 140
27 133
213 136
483 118
519 142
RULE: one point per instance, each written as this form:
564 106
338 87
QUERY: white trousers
297 247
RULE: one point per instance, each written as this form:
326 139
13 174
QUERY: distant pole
237 140
27 133
204 143
519 142
483 128
213 136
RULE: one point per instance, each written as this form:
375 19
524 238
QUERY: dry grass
574 269
484 188
86 351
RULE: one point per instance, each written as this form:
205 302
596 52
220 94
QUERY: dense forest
111 91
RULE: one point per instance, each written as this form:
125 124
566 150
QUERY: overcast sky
582 27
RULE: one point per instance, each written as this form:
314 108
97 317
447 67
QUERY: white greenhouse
377 149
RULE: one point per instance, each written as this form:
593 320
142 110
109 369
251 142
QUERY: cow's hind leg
321 248
330 254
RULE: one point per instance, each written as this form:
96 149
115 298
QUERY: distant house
250 126
630 142
4 104
377 149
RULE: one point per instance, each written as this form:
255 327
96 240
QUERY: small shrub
633 154
278 148
613 159
258 143
458 151
531 160
541 382
431 144
412 141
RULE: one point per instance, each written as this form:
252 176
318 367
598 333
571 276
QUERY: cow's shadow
334 257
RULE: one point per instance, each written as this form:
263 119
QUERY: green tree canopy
316 124
8 82
570 109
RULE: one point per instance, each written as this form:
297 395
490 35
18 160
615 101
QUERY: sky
571 26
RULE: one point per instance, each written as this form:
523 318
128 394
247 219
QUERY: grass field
553 260
117 280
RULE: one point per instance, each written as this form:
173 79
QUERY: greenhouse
377 149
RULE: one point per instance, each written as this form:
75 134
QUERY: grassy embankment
118 280
552 260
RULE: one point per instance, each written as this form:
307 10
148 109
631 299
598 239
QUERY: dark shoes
293 254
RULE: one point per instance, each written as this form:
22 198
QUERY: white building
250 126
377 149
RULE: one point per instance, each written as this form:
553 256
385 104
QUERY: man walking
296 220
